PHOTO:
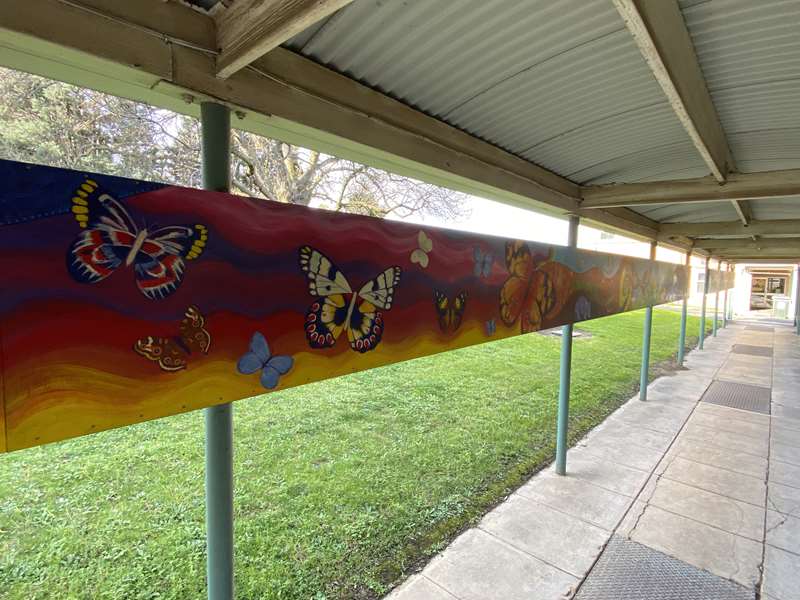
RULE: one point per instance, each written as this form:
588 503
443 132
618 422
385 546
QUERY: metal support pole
565 373
216 127
797 300
716 303
684 312
703 309
648 326
725 303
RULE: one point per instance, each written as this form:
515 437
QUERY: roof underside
669 120
563 85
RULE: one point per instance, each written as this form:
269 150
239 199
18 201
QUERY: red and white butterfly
111 240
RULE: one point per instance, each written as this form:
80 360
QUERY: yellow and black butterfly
337 308
450 313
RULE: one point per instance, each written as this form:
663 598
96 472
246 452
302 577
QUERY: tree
53 123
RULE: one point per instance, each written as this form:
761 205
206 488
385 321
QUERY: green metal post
797 300
565 373
684 311
703 310
648 326
716 303
725 303
216 126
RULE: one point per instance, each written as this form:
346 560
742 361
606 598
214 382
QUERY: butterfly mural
111 240
259 358
172 353
337 308
450 313
420 254
483 262
529 293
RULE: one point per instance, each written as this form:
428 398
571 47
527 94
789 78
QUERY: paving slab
578 498
713 509
780 410
419 587
722 553
726 440
788 437
780 573
642 458
783 531
697 451
720 481
784 498
478 566
587 466
785 453
546 534
737 426
615 431
735 414
784 473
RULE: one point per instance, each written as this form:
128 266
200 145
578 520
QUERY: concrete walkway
696 490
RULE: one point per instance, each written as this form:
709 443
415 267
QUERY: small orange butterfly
172 353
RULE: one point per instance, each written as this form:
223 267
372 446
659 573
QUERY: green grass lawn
342 487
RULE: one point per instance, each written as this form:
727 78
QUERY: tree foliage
49 122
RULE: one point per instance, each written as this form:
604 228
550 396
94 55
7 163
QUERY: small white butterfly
420 255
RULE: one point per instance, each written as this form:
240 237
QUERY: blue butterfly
491 327
483 262
260 358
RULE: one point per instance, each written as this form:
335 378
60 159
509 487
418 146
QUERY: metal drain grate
753 350
759 328
630 571
738 395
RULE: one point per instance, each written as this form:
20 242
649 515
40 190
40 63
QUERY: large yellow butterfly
337 308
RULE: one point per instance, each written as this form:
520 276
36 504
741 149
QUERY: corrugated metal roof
561 84
750 56
706 212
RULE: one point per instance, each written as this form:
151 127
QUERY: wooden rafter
715 244
660 32
740 186
248 29
787 227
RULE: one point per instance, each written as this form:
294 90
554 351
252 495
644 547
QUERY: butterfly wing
380 291
324 278
425 243
167 352
365 326
443 313
107 237
419 257
457 310
514 293
325 320
159 265
275 367
486 265
193 333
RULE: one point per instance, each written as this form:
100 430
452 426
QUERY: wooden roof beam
739 186
248 29
790 227
714 245
660 32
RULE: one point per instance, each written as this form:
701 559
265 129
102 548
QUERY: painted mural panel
125 301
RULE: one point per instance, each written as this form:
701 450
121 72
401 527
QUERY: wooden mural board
125 301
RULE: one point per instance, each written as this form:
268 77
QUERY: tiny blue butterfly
491 327
483 262
259 358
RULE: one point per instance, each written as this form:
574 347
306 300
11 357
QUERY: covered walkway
692 494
